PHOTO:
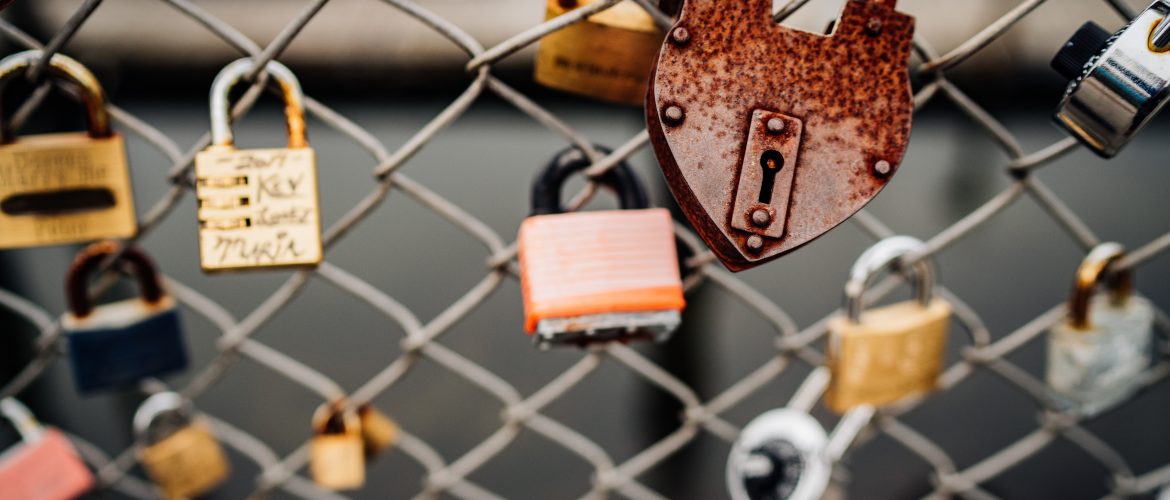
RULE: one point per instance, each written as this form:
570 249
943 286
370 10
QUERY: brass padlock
769 136
882 355
258 208
68 187
379 432
179 451
607 56
337 450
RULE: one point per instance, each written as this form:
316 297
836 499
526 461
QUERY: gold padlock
337 450
180 451
607 56
882 355
258 208
68 187
379 432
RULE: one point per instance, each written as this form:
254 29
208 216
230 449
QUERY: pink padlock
44 466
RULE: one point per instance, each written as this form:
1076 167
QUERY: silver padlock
1118 82
1098 353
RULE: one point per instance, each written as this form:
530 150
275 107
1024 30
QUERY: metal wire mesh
524 412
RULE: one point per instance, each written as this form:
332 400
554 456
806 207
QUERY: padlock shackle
156 405
22 419
621 180
87 261
290 89
331 416
886 254
69 70
1089 275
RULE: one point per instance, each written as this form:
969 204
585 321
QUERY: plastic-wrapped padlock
1098 353
44 466
600 275
882 355
121 343
180 451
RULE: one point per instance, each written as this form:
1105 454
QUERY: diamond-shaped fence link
521 413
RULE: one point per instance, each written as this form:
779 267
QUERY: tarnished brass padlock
179 450
608 56
258 208
1097 355
337 451
44 466
597 276
69 187
770 136
882 355
379 432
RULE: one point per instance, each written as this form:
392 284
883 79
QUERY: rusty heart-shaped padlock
770 136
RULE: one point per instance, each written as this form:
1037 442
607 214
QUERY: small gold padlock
379 432
180 451
607 57
68 187
337 451
258 208
885 354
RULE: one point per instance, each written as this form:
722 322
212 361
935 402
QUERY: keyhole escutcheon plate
770 133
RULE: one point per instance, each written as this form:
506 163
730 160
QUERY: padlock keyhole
771 162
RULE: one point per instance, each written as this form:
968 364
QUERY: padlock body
258 208
606 57
594 276
379 432
121 343
46 469
337 461
894 352
64 188
1094 369
187 463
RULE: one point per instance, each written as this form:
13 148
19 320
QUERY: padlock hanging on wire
44 465
1117 82
258 208
66 187
337 451
178 448
598 276
1098 353
769 136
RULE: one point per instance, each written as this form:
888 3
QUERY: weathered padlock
608 56
258 208
44 466
119 344
336 452
601 275
882 355
179 450
1097 355
1117 83
770 136
69 187
379 432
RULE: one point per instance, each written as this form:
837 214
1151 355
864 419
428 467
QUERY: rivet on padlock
1097 355
258 208
379 432
44 466
337 451
881 355
1117 83
68 187
179 450
770 136
608 56
600 275
121 343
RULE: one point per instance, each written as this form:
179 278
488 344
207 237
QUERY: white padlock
1097 354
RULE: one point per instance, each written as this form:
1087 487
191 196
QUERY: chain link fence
524 412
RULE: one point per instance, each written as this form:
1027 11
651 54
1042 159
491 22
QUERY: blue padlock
121 343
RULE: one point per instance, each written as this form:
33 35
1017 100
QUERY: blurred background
390 74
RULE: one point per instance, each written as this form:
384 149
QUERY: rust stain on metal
850 90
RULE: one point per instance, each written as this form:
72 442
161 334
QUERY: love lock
770 136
